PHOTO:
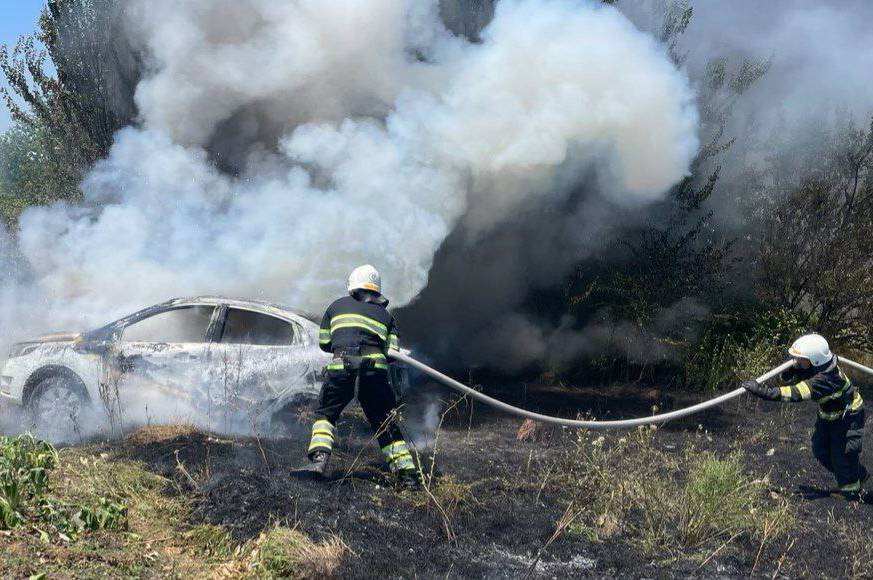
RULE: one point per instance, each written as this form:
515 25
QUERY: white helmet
812 347
365 277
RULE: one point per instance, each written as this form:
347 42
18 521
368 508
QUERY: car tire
295 418
57 406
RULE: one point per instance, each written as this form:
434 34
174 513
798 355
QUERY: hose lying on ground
619 424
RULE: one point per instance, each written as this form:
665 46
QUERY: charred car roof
271 308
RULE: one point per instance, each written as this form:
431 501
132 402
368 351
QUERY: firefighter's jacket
827 384
359 325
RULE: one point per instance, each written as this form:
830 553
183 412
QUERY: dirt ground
498 502
501 530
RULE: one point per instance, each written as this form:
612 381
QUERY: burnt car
207 360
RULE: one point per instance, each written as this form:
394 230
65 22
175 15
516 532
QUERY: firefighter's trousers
837 446
379 404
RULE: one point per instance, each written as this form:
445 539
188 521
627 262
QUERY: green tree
817 251
71 87
25 170
678 253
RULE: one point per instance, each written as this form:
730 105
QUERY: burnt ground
512 503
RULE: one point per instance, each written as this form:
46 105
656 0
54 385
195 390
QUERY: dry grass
210 540
157 433
450 493
859 561
668 503
535 432
283 552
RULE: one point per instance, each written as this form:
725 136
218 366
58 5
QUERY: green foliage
677 17
66 110
71 519
25 464
719 498
816 253
735 348
681 256
26 173
277 549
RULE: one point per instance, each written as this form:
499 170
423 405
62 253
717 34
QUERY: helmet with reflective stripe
365 277
812 347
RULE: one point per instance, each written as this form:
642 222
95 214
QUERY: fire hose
618 424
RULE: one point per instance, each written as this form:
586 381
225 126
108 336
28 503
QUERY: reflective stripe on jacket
358 327
828 385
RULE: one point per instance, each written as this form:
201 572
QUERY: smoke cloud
475 151
481 305
817 55
281 144
818 52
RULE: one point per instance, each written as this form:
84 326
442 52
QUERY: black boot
316 467
408 479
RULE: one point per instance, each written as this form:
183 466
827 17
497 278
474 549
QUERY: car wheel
295 418
57 406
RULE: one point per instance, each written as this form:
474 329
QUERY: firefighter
839 430
358 330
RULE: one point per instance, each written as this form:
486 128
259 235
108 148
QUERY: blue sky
17 17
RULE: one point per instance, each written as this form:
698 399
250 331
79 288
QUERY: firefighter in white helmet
358 330
839 431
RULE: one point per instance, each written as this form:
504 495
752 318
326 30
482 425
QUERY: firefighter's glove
754 387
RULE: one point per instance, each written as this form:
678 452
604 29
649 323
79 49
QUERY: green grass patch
25 466
211 540
89 513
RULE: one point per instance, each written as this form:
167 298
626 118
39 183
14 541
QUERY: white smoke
299 60
387 128
818 50
816 53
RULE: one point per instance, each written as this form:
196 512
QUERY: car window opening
188 324
247 327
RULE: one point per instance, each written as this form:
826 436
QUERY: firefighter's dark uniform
839 430
358 330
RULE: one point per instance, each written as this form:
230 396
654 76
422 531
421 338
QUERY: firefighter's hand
753 387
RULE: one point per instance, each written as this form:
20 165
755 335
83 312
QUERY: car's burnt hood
55 337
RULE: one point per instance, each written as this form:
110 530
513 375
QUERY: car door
159 367
261 359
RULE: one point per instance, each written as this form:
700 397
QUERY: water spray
595 425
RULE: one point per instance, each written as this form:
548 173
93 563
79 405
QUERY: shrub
732 350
